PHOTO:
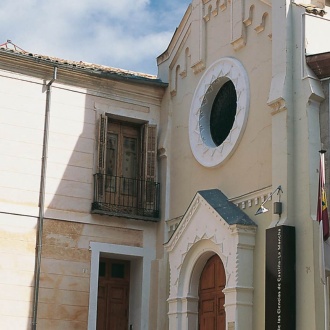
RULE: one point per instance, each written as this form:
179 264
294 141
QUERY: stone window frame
142 257
216 75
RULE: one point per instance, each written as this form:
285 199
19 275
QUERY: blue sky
127 34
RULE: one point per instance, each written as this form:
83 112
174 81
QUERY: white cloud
128 33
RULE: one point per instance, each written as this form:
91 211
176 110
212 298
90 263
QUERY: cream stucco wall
282 137
254 147
249 169
69 227
22 108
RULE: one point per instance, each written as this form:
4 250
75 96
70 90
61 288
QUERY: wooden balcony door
211 297
113 295
126 168
122 164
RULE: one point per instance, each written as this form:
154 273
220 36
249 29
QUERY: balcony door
125 182
122 163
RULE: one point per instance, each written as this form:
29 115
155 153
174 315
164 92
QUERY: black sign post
280 278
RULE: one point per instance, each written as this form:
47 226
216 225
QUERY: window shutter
102 149
102 146
150 170
150 140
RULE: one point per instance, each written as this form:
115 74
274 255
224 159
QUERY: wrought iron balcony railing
126 196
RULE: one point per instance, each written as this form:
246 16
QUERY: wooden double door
113 295
123 163
211 297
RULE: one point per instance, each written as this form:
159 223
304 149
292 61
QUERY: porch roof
232 214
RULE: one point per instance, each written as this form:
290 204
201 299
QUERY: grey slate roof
232 214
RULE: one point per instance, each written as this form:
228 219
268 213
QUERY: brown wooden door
211 297
123 163
113 295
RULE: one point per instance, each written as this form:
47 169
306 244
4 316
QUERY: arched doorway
211 311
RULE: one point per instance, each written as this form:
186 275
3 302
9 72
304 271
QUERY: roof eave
320 64
119 76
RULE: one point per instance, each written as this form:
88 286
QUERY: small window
117 270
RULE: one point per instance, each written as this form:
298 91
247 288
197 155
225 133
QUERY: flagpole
321 255
322 218
324 279
326 301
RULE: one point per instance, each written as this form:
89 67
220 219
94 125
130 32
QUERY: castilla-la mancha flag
322 205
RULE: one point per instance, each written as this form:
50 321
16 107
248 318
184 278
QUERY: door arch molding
193 266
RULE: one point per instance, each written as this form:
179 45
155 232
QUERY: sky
126 34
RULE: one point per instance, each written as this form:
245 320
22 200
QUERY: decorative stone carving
252 199
207 16
162 152
183 73
223 5
198 67
277 106
261 26
216 9
175 81
248 20
238 38
198 47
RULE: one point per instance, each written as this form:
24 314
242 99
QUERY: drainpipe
41 203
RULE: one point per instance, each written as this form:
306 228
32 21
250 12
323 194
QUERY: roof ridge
77 64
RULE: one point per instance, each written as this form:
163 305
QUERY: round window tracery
219 111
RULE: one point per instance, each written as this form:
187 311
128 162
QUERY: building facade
129 200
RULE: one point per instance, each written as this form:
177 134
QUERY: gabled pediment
212 225
210 211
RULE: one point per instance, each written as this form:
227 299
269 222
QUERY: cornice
252 199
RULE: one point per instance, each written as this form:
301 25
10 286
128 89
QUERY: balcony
132 198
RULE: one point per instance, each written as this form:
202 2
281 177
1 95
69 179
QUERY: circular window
223 113
218 112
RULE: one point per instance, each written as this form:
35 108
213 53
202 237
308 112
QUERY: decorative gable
211 225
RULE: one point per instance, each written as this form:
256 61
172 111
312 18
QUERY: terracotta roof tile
312 9
90 67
